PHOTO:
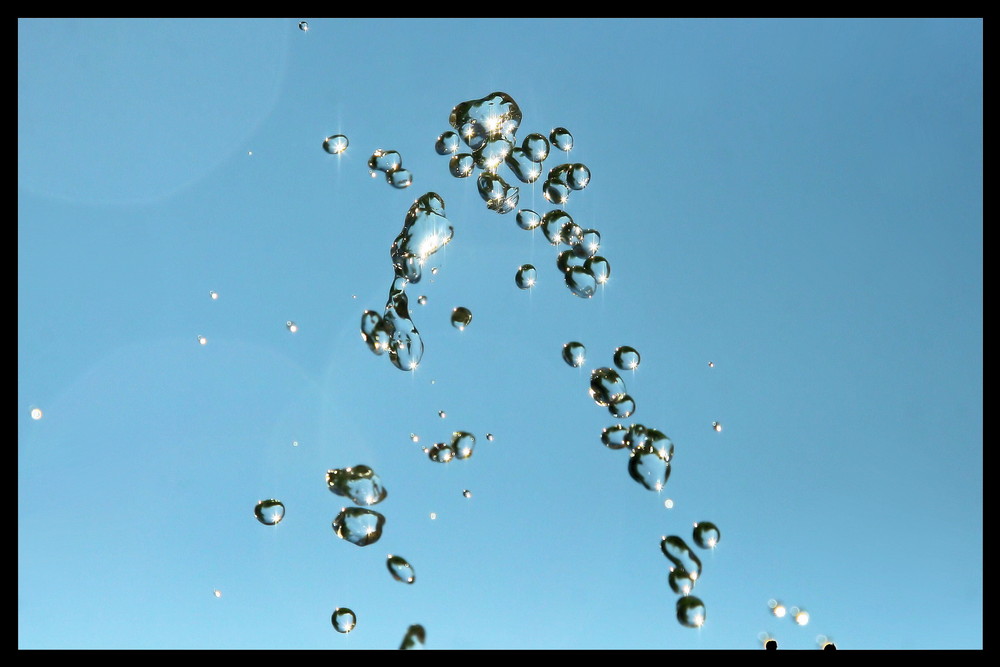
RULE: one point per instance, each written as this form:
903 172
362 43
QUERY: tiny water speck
467 493
711 364
489 436
214 295
668 503
292 326
442 414
295 443
414 437
36 413
800 616
422 300
217 593
202 340
303 26
433 515
717 426
777 608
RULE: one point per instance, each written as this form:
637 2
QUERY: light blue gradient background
798 201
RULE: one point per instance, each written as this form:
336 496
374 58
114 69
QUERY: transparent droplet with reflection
690 611
716 426
343 620
463 444
598 267
623 407
467 493
668 503
526 276
581 282
462 165
489 436
217 593
606 386
778 610
359 483
566 260
202 340
291 326
536 146
553 224
498 195
626 358
555 191
578 176
649 467
414 437
373 332
335 144
36 413
447 144
358 525
269 512
400 178
214 295
528 219
414 638
800 616
385 161
680 555
440 452
400 569
303 26
680 581
442 414
614 436
561 139
523 167
706 534
588 244
574 353
461 317
711 364
422 300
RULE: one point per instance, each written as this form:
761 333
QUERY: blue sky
798 202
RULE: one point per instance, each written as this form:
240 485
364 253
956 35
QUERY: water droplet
528 219
462 444
567 259
553 224
359 483
498 196
578 176
679 553
36 413
335 144
706 534
467 493
649 466
668 503
690 611
623 407
217 593
588 244
777 608
525 276
825 643
358 525
614 437
447 143
680 581
800 616
434 271
626 358
414 638
292 326
561 139
414 437
433 515
303 26
581 282
574 354
422 300
462 165
400 569
717 426
711 365
489 436
269 512
373 332
536 146
250 153
640 436
202 340
343 620
598 267
484 122
385 161
440 452
461 317
295 443
214 295
606 386
400 178
524 168
441 414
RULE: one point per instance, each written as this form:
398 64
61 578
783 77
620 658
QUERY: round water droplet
706 534
358 525
343 620
462 444
462 165
626 358
536 146
691 612
598 267
588 244
440 452
400 178
525 276
359 483
461 317
442 414
528 219
650 467
679 553
711 364
555 191
668 503
217 593
574 354
553 224
202 340
581 282
467 493
447 143
561 139
433 515
434 271
566 260
214 295
680 581
606 386
385 161
295 443
292 326
335 144
36 413
414 638
578 176
614 437
422 300
716 426
269 512
400 569
303 26
489 436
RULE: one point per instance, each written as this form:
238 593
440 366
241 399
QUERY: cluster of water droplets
358 525
685 571
391 164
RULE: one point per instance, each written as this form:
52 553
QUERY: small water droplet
292 326
717 426
467 493
202 340
800 616
680 581
525 276
528 219
581 282
668 503
335 144
706 534
489 436
690 611
303 26
217 593
574 354
214 295
447 143
36 414
399 178
359 483
598 267
400 569
461 317
343 620
433 515
626 358
250 153
422 300
440 452
295 443
414 638
577 176
777 608
434 271
711 364
358 525
269 512
414 437
561 139
442 414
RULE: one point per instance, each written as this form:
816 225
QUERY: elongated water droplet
528 219
335 144
343 620
561 139
680 581
690 611
574 354
447 143
414 638
292 326
649 467
706 534
606 386
626 358
525 276
269 512
400 178
536 146
358 525
461 317
614 437
359 483
400 569
36 413
679 553
303 26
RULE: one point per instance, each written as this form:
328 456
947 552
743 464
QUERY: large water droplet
526 276
690 612
626 358
359 483
536 146
528 219
485 120
461 317
581 282
679 553
598 267
462 444
343 620
553 224
614 437
414 638
706 534
462 165
623 407
574 354
447 143
606 386
400 178
524 168
400 569
648 466
269 512
561 139
680 581
358 525
335 144
489 436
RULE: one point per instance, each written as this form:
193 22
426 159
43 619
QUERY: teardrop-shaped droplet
335 144
561 139
528 219
343 620
269 512
679 553
706 534
359 483
358 525
606 386
581 282
400 569
574 354
690 611
626 358
447 144
414 638
461 317
649 467
525 276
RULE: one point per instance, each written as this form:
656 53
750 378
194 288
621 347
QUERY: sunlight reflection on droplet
213 294
292 326
217 593
36 413
668 503
202 340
